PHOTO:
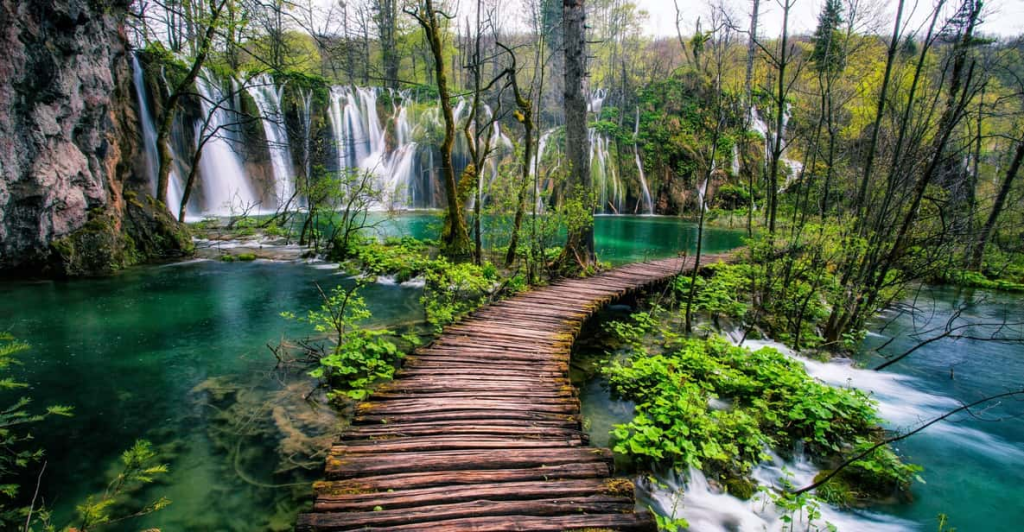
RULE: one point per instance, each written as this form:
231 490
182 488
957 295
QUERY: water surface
177 354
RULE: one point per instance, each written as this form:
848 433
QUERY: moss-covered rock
739 487
106 244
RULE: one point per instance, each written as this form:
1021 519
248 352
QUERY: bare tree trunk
751 54
579 245
877 126
387 16
997 208
780 112
526 117
163 140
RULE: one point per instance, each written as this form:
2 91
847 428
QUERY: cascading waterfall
369 137
146 122
226 188
150 151
362 143
610 192
735 160
268 100
648 204
758 125
702 192
538 156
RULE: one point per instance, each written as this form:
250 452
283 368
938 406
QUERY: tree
826 54
163 139
454 236
978 253
386 17
525 116
579 246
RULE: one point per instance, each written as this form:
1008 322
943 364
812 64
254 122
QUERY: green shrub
774 403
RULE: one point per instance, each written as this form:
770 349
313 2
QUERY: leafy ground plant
359 356
717 407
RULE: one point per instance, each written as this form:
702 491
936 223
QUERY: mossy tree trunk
163 138
454 237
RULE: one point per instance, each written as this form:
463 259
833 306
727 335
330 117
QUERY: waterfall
307 128
758 125
648 204
735 160
150 151
362 143
146 122
226 188
538 157
610 191
268 99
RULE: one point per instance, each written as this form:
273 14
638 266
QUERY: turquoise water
972 463
177 354
618 239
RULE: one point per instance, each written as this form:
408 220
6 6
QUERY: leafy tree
827 54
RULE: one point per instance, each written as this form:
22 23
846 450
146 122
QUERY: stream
177 354
972 464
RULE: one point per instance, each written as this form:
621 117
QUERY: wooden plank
480 429
424 515
552 489
407 462
424 479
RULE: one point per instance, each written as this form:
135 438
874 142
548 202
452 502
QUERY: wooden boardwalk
481 429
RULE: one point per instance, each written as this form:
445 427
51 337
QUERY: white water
361 139
900 403
708 509
702 191
149 138
268 99
226 188
758 125
648 204
735 160
538 157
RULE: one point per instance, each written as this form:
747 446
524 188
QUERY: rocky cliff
71 202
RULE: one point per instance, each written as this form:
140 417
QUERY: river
177 354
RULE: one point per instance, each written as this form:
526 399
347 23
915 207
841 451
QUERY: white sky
1004 17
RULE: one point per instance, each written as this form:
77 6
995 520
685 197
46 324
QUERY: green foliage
828 55
139 469
455 289
670 524
881 472
772 402
975 279
720 290
732 197
360 356
403 257
15 454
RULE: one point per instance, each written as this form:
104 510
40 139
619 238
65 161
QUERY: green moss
228 258
835 492
245 257
740 487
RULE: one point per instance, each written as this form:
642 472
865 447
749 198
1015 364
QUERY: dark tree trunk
997 208
579 245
